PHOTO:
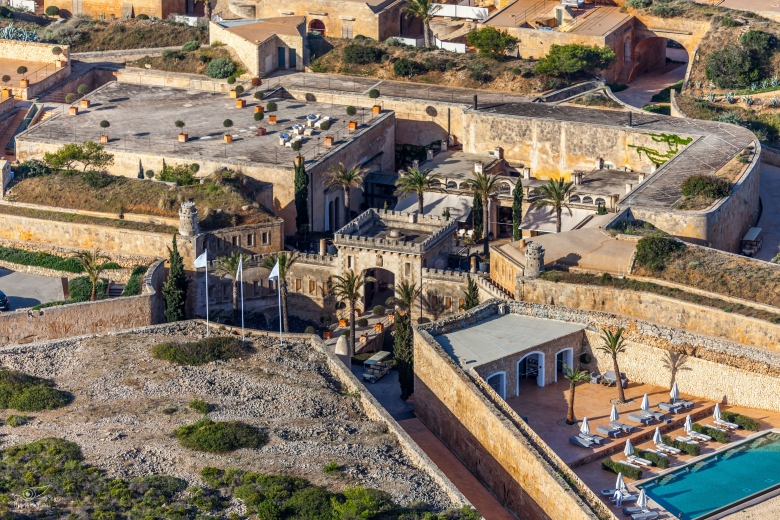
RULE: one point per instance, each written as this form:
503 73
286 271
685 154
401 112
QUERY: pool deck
546 409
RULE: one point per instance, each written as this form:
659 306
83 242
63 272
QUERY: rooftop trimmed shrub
723 437
259 94
373 93
742 420
351 111
201 351
220 437
694 450
259 116
616 467
270 106
706 186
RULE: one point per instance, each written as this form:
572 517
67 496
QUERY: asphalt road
27 290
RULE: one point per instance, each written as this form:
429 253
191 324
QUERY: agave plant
730 98
764 84
775 81
712 87
753 86
711 97
775 102
697 84
747 100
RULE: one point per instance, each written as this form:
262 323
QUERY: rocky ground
127 404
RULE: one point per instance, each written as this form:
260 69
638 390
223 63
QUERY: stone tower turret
534 260
188 219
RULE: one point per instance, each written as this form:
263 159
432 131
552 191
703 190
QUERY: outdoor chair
639 419
699 436
595 378
647 515
609 378
658 452
626 498
634 510
668 449
668 407
658 416
629 464
683 402
595 439
609 492
579 441
609 431
638 460
620 426
686 440
726 424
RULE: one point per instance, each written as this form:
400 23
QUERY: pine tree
517 210
403 351
140 169
476 210
472 295
175 287
301 194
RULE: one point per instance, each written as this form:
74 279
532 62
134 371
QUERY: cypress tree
476 211
471 293
403 351
175 287
301 182
140 170
517 210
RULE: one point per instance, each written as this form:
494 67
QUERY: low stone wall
113 275
157 78
655 308
31 51
121 56
27 326
490 438
130 217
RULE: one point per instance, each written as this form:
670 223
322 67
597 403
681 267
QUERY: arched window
452 185
574 199
435 183
587 200
600 202
317 26
504 188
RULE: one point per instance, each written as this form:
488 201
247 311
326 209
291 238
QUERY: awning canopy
434 204
541 219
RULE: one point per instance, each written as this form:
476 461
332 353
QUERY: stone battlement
303 258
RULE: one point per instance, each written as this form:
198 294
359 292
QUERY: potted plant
272 119
227 123
327 334
240 103
104 137
259 95
378 327
83 89
182 134
259 109
343 322
261 130
352 126
23 83
6 91
259 116
329 140
376 109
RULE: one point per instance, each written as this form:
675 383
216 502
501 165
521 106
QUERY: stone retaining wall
28 326
126 260
130 217
158 78
113 275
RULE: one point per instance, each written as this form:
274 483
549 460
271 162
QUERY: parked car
5 305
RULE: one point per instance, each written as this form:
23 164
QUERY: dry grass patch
193 62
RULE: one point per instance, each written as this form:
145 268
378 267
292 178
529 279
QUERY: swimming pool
709 484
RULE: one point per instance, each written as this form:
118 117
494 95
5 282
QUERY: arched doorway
377 292
317 26
530 368
497 382
563 357
334 211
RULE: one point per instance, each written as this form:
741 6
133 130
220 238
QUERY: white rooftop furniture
318 124
308 131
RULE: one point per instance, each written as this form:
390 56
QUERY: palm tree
344 178
286 261
228 266
92 262
415 182
484 186
613 345
405 295
347 289
574 375
424 10
555 194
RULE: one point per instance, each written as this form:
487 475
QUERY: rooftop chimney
478 167
475 102
526 173
630 119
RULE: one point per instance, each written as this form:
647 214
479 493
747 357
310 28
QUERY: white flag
201 260
240 270
274 272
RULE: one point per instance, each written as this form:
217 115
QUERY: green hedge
28 393
742 420
200 352
133 285
80 290
627 471
720 436
22 257
658 460
691 449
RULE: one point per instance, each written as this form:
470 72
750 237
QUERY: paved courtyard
28 290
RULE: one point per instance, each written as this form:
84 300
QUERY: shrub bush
255 82
652 251
21 70
360 503
181 175
22 257
80 289
731 67
616 467
373 93
104 124
638 4
706 186
259 95
564 60
169 54
361 54
492 42
694 450
658 460
310 330
231 80
239 90
200 406
742 420
407 68
351 111
5 12
142 17
259 116
362 322
56 50
15 421
28 393
665 10
721 436
331 467
149 174
296 146
220 68
190 46
325 125
201 351
727 21
270 106
30 169
379 310
52 10
133 285
220 437
227 123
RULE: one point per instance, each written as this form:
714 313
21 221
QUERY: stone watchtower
534 260
188 219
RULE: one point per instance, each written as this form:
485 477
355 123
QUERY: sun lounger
657 452
638 460
609 378
626 463
668 407
610 492
682 402
713 427
668 449
686 440
595 439
633 510
658 416
620 426
609 431
699 436
639 419
726 424
626 498
579 441
648 515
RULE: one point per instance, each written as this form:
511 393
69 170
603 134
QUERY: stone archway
317 26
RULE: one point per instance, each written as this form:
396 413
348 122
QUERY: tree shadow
674 361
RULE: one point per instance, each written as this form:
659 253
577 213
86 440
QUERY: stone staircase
625 73
5 138
115 290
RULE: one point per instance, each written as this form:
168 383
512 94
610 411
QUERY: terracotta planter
73 111
352 126
298 159
327 334
103 139
183 137
85 103
24 83
329 140
240 103
272 119
233 94
261 130
376 109
59 64
228 138
259 109
379 327
391 318
5 94
364 338
343 322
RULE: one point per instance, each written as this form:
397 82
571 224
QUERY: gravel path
127 404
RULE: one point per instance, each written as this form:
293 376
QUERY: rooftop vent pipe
475 102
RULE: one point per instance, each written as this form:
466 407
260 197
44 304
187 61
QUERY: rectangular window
448 303
346 29
312 286
298 283
250 239
236 241
407 269
461 303
325 288
434 301
266 237
349 262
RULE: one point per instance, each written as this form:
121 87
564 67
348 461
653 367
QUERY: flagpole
207 292
278 282
241 266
